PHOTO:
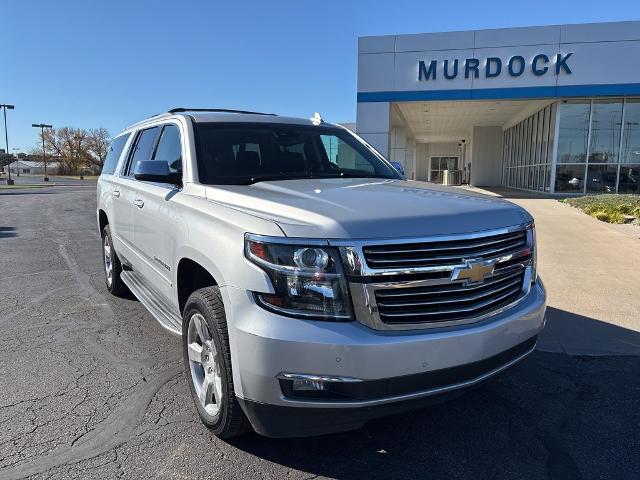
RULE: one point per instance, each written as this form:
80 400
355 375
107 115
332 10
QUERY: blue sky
110 63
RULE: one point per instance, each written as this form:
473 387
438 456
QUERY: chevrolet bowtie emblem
474 271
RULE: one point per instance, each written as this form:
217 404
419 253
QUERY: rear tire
207 360
112 265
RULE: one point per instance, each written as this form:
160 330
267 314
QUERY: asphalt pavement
92 387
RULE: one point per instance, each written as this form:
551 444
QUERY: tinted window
246 153
169 148
573 131
117 145
144 147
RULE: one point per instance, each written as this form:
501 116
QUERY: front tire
112 265
207 360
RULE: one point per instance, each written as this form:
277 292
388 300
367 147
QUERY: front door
156 220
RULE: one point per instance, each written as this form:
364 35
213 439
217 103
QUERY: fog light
306 385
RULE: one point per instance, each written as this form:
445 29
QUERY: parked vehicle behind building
313 287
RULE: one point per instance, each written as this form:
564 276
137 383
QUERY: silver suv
314 287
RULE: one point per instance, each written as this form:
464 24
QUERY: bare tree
98 145
76 148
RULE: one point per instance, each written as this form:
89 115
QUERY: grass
75 177
609 208
21 185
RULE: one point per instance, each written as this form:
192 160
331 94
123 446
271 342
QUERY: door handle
116 193
138 203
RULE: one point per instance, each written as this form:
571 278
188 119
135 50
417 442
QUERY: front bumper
263 345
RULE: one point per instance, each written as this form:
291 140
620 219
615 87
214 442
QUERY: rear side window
144 147
169 148
117 145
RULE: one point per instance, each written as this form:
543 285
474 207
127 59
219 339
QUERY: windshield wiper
267 178
276 177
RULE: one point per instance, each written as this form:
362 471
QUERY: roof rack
219 110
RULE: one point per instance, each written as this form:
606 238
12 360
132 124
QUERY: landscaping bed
609 208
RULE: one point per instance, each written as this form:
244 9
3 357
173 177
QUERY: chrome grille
454 301
441 280
442 253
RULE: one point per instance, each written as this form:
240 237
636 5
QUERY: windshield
247 153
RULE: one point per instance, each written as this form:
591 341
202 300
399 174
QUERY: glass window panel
540 185
606 119
521 143
534 137
539 137
169 148
629 181
545 136
569 178
145 144
552 131
516 145
143 149
631 136
573 133
115 150
527 141
451 163
547 178
601 178
534 181
531 178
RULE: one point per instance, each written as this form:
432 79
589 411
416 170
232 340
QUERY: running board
153 302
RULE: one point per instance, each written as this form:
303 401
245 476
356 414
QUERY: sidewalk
591 271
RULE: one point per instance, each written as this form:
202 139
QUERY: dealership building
554 109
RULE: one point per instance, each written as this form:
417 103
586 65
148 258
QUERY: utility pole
6 137
42 126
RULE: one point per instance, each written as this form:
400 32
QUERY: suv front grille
434 254
455 301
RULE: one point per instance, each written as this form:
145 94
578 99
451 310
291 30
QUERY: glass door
439 165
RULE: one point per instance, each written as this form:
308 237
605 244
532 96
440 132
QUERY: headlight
308 280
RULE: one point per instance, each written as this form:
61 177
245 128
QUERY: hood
368 208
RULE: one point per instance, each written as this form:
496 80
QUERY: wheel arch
191 275
103 220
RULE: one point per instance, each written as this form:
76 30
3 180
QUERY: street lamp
42 126
6 137
17 150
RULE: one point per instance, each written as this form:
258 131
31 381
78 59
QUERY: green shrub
608 208
600 215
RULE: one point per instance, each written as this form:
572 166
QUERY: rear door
124 206
156 220
109 185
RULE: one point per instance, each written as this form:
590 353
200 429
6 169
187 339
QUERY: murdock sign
491 67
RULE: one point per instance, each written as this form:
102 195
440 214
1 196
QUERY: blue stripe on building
503 93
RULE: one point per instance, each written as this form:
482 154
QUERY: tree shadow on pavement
552 416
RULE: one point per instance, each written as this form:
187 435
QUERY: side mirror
156 171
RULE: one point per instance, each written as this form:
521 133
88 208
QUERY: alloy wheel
204 365
108 262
